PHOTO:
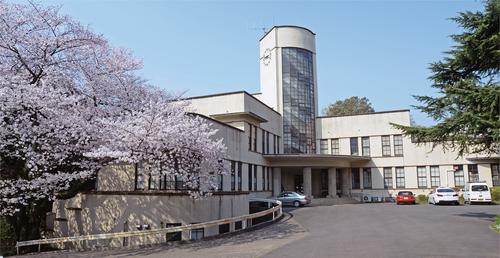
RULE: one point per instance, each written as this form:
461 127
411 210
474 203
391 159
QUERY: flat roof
233 93
372 113
313 160
286 26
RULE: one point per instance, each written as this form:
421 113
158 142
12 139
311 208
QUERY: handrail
272 210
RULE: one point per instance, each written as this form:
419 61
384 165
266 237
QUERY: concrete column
307 181
332 182
276 181
361 178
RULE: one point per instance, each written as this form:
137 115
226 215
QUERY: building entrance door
299 183
339 182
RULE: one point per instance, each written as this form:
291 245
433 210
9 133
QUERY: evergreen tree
467 107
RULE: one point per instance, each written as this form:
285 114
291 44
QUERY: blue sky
377 49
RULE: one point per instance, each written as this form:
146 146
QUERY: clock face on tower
267 56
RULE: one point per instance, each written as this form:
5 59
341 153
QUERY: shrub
495 194
421 198
7 238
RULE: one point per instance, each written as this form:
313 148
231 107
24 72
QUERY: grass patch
496 226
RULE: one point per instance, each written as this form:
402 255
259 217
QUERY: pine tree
467 107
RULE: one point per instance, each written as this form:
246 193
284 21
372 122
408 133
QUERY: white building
277 141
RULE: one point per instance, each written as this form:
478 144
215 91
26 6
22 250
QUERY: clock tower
288 83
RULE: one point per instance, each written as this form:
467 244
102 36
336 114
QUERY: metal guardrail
276 212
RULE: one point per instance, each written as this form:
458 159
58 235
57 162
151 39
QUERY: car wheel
296 204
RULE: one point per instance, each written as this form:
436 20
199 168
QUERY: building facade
275 142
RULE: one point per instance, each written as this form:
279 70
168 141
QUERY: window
299 111
355 178
139 177
367 178
473 173
174 236
495 174
398 145
459 175
323 146
221 182
233 175
264 171
254 138
354 146
255 177
435 180
365 146
154 181
238 225
421 177
278 141
386 145
263 141
240 168
335 147
400 177
250 175
267 142
224 228
250 141
387 178
197 233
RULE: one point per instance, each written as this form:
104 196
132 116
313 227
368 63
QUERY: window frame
365 149
459 176
335 145
322 144
354 146
388 178
473 172
434 176
386 145
398 145
421 177
400 177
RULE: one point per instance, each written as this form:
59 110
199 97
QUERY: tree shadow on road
479 215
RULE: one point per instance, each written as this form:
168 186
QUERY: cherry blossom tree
70 104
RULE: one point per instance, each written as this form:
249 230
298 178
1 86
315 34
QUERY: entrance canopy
315 160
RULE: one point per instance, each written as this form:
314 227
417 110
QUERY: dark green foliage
467 107
7 238
351 106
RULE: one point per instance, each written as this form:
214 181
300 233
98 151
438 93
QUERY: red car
405 197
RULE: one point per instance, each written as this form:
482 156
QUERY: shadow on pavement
479 215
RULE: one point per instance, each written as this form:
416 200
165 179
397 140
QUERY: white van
477 192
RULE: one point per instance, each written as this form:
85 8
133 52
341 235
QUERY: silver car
293 198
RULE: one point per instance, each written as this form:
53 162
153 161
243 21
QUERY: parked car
293 198
477 192
442 195
405 197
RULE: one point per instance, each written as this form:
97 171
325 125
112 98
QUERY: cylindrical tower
288 83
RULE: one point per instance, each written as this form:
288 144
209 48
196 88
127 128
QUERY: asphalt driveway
351 230
389 230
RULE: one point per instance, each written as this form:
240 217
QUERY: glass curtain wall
299 110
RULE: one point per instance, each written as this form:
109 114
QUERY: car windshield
445 190
479 188
405 193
